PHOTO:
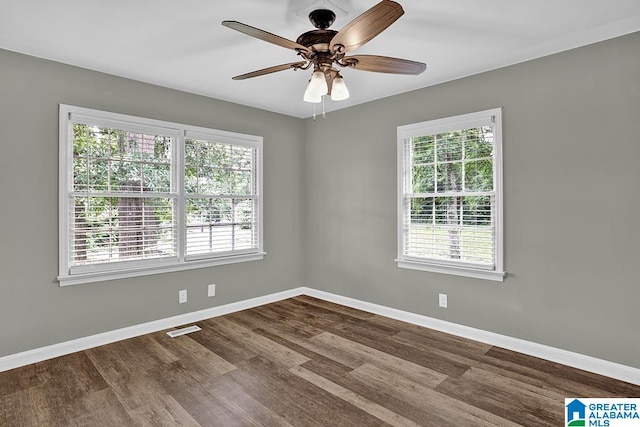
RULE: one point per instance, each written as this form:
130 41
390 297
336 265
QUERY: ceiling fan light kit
325 49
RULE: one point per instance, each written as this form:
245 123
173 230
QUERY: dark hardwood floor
297 362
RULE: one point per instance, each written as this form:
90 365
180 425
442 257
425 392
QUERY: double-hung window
141 196
450 195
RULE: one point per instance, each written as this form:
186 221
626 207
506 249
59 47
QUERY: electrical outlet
211 291
182 296
442 299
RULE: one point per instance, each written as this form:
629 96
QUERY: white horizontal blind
122 205
448 206
141 196
221 189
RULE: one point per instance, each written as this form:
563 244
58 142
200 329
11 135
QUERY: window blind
449 207
141 196
123 207
221 196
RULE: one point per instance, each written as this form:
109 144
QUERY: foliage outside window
140 196
450 195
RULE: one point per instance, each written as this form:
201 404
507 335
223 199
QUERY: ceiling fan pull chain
314 112
324 116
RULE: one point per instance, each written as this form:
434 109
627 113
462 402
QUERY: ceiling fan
326 49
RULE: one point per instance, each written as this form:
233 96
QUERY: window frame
448 124
134 268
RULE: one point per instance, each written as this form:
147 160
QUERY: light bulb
339 91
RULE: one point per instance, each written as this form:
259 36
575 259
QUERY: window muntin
450 217
134 200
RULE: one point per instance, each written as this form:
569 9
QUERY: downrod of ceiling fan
322 18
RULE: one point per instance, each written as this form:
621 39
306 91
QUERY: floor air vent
183 331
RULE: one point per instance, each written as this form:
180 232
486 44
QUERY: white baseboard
49 352
576 360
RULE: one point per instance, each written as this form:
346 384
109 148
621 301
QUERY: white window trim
447 124
125 269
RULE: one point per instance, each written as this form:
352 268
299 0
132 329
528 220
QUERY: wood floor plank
19 379
619 388
541 379
301 350
229 349
226 389
314 315
442 409
278 322
355 399
297 400
161 412
451 343
352 312
371 392
420 355
98 409
364 354
27 407
504 403
259 344
134 355
297 362
201 363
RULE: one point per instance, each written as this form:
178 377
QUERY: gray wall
572 202
34 310
571 147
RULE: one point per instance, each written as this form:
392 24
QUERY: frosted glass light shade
318 83
316 88
309 96
339 91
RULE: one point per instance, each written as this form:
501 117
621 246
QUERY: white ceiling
180 43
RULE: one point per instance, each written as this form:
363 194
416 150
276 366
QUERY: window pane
451 228
108 229
479 143
157 177
242 158
422 209
107 159
218 169
423 179
423 149
220 225
241 182
449 146
478 175
449 177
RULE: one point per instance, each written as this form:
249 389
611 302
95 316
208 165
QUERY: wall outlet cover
182 296
442 300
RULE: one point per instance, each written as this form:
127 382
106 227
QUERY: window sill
476 273
81 278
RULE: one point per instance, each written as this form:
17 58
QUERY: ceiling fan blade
385 64
274 69
264 35
366 26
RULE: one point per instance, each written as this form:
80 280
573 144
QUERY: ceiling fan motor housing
318 38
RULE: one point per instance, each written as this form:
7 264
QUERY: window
141 196
450 195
